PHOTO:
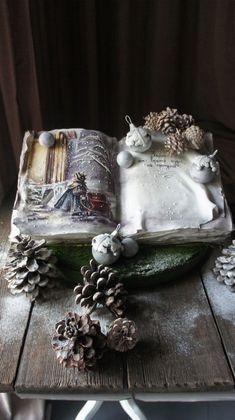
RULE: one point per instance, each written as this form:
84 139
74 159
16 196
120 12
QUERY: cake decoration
46 139
130 247
138 138
194 136
122 335
31 268
101 287
125 159
75 190
204 168
78 341
225 267
168 121
176 143
106 248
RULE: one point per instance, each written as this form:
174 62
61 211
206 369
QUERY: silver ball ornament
125 159
129 247
46 139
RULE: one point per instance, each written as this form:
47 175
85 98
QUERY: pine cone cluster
168 121
194 137
176 143
78 341
31 268
122 335
101 286
225 267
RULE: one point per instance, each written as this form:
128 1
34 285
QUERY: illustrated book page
67 191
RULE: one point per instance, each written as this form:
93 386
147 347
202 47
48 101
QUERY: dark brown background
86 63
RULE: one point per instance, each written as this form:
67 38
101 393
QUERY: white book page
157 193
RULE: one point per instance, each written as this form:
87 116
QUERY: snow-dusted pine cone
122 335
31 267
78 341
194 136
164 121
225 267
176 143
101 286
168 121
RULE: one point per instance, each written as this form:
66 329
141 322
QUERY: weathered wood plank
40 372
222 302
14 312
179 348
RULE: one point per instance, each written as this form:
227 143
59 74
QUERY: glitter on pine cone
168 121
225 267
101 287
122 335
176 144
194 136
78 341
31 268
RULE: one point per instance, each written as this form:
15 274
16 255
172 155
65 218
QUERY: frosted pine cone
31 268
164 121
184 121
176 143
225 267
122 335
101 286
168 121
194 136
78 341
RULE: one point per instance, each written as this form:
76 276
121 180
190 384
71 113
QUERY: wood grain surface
222 302
187 331
40 371
14 312
180 348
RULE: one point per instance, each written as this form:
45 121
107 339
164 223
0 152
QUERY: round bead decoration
129 247
46 139
125 159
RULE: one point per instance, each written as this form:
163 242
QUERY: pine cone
225 267
30 267
176 143
184 121
122 335
194 136
101 286
78 341
168 121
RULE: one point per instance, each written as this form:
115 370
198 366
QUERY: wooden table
186 351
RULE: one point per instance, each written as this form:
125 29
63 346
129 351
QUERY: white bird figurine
106 247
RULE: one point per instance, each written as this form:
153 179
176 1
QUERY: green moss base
151 266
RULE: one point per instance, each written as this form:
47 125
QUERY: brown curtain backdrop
87 63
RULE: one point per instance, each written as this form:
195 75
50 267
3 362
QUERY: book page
158 194
68 190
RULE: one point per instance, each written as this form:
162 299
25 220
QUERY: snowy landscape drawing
71 186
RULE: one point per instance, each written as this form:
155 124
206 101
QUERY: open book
75 190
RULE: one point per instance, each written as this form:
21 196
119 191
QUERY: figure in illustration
74 198
78 201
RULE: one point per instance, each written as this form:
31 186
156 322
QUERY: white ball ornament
129 247
46 139
125 159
